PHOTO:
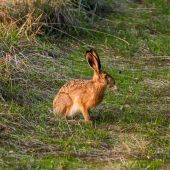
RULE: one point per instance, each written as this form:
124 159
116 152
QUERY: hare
79 96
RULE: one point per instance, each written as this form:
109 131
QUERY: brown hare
79 96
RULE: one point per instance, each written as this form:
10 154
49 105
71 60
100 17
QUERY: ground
131 127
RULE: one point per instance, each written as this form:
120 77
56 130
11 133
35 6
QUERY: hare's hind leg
61 105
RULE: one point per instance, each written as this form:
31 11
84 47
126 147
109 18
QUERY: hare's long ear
93 60
96 56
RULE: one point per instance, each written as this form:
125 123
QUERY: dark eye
106 76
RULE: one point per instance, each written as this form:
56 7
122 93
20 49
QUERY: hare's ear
97 57
93 61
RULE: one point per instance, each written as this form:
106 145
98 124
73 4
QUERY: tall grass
30 18
24 20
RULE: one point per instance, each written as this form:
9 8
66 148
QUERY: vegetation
42 45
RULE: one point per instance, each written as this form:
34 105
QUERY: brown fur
81 95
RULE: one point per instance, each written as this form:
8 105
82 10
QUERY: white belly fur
74 110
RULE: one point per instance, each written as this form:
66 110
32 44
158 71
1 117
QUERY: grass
131 127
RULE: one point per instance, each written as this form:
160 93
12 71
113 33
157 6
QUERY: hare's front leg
85 114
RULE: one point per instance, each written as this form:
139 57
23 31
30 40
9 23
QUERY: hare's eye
105 76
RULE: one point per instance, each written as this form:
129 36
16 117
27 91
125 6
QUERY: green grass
131 126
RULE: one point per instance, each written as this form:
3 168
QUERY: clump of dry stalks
29 18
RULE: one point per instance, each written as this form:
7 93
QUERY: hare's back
73 85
